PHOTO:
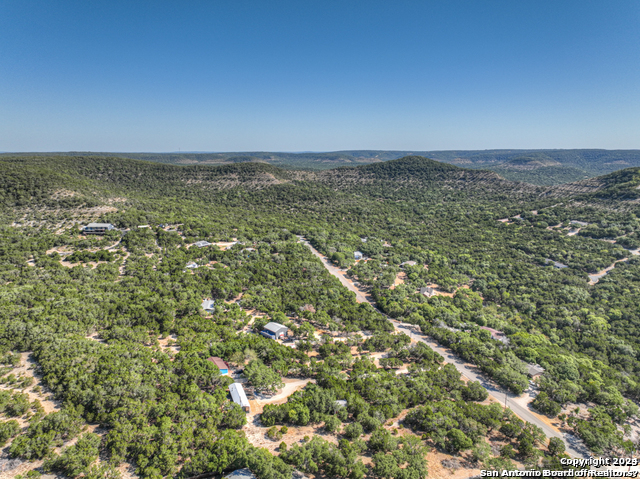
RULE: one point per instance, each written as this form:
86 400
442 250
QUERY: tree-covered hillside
104 338
539 167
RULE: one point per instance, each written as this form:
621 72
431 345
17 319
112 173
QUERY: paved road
519 405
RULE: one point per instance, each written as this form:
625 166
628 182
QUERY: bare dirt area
257 434
169 344
225 245
437 291
290 386
400 278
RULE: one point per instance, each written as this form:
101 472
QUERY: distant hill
539 170
47 181
622 185
539 167
412 174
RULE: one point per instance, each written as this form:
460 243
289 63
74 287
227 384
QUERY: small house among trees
97 228
274 331
358 255
221 365
202 244
208 305
534 370
427 291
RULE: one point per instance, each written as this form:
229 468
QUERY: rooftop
275 328
241 474
218 362
238 395
208 304
99 225
534 369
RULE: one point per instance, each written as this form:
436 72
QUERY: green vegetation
539 167
98 334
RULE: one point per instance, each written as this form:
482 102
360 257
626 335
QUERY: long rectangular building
97 228
239 397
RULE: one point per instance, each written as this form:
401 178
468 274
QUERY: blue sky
318 75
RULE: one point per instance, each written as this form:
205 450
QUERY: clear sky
305 75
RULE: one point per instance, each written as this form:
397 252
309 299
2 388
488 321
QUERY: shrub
8 429
274 434
331 423
353 430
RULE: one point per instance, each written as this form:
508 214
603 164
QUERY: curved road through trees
518 404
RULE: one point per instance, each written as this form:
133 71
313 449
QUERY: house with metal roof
427 291
202 244
534 370
97 228
239 397
220 364
192 265
241 474
408 263
274 331
358 255
208 305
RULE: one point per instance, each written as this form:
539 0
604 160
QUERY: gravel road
518 404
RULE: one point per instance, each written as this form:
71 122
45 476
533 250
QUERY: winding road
518 404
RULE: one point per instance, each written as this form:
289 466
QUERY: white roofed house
241 474
239 397
202 244
358 255
208 305
97 228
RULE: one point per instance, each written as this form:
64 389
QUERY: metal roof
238 395
276 328
219 363
241 474
201 244
99 225
208 304
534 369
